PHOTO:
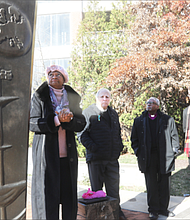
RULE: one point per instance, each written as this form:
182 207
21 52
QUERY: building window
61 62
53 30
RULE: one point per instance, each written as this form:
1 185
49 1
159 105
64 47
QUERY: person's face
104 99
151 105
55 79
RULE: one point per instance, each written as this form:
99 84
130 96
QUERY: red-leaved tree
158 59
158 52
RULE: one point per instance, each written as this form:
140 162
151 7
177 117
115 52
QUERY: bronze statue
16 34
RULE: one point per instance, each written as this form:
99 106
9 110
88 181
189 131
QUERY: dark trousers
64 197
65 189
105 172
158 186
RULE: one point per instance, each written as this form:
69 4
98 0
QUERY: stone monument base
99 208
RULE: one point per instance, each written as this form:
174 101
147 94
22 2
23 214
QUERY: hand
64 115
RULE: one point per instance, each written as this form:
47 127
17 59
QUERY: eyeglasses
53 74
151 103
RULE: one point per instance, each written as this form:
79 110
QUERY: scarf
59 101
64 103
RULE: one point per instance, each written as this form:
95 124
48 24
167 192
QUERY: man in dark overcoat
155 141
55 116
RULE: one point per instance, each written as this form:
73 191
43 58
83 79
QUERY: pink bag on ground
91 195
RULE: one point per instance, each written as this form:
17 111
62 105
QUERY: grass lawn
125 158
180 181
182 156
132 159
180 178
128 158
81 159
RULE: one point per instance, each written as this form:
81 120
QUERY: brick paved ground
130 215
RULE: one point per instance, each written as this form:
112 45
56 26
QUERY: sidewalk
133 204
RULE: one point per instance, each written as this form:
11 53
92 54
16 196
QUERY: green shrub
81 149
127 147
31 135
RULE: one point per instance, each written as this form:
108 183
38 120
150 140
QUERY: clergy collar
152 117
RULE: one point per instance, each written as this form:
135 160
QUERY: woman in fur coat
54 117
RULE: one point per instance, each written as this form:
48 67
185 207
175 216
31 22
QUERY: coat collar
43 91
44 95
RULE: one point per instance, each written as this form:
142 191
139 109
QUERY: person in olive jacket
102 140
155 142
54 117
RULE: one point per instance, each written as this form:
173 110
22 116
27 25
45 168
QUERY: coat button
69 145
71 159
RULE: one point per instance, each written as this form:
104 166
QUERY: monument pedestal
100 208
